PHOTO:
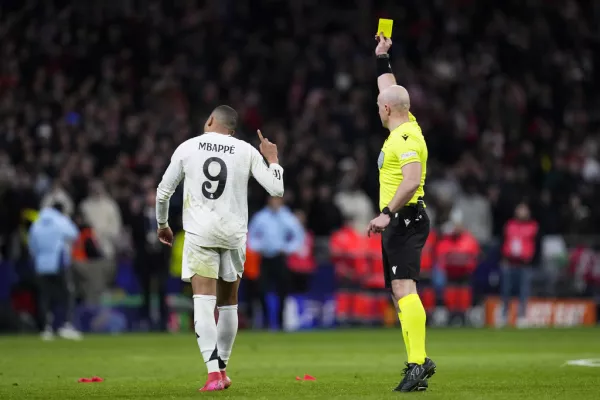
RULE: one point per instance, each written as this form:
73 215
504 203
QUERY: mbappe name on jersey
219 148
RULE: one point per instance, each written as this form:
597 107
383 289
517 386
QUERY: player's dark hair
58 207
226 116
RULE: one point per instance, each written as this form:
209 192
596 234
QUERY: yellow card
385 26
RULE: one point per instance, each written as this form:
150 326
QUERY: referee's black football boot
430 367
415 377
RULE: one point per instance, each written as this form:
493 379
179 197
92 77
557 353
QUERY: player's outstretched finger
260 136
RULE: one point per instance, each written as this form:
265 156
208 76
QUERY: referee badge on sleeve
380 159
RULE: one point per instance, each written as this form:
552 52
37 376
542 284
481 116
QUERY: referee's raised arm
385 76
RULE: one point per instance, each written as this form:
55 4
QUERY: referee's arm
408 187
385 77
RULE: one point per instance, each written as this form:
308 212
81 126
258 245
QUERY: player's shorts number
220 178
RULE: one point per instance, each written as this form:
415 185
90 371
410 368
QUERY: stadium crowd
96 95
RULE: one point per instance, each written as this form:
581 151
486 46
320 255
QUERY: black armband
383 64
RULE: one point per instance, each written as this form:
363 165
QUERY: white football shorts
212 262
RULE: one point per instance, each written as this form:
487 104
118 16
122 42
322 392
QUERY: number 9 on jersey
214 179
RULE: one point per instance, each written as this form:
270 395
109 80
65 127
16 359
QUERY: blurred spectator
92 271
349 251
375 297
444 188
9 216
521 250
302 262
57 194
104 216
26 210
351 200
476 212
456 256
554 258
275 233
49 240
550 219
590 170
428 253
253 288
151 261
324 216
577 217
584 267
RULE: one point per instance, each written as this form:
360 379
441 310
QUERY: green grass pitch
355 364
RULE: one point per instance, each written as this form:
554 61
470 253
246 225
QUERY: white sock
227 328
206 329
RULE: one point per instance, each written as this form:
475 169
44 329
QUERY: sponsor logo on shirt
408 154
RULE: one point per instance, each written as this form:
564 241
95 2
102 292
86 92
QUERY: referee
403 222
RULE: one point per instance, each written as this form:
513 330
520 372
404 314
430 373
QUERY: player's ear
210 121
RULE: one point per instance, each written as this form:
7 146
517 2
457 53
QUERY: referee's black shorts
402 242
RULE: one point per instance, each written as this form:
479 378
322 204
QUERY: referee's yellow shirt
404 145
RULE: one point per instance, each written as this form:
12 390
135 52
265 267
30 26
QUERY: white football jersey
215 169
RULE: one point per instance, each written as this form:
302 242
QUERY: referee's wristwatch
386 211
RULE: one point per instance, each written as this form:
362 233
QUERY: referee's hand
378 224
383 44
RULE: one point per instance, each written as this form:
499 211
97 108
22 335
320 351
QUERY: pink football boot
225 379
213 383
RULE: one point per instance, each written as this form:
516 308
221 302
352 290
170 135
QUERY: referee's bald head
393 102
223 119
396 97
